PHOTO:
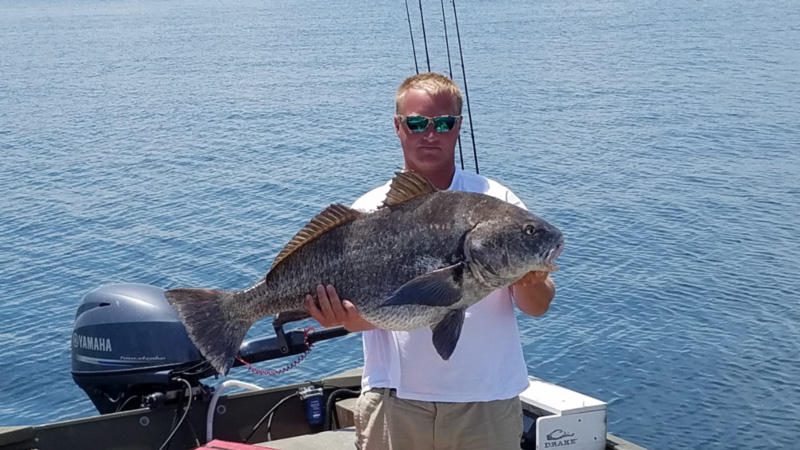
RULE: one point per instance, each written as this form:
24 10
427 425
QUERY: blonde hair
432 83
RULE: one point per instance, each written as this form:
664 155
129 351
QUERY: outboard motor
128 342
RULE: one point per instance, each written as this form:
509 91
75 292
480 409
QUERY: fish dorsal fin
407 185
333 216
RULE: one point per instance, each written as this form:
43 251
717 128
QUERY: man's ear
397 125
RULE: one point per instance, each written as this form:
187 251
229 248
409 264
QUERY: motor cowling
128 341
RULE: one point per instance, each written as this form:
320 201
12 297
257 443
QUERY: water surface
183 143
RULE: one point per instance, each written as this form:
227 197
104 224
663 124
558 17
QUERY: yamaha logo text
91 343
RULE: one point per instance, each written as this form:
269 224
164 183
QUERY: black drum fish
418 261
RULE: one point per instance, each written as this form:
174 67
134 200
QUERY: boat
135 361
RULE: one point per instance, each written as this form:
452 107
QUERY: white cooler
558 418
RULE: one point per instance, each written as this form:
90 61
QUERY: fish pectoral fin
441 287
447 332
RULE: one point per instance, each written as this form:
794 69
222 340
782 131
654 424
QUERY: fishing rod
424 36
466 90
447 41
449 63
450 66
411 32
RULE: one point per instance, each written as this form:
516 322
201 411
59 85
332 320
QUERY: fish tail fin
215 329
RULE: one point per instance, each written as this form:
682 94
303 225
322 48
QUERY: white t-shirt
487 363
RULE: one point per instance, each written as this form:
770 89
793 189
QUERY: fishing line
466 91
411 32
424 36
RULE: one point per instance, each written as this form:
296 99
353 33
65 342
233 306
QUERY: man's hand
532 278
333 312
534 292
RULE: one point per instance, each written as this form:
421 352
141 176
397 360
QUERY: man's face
428 152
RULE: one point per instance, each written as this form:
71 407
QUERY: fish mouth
549 258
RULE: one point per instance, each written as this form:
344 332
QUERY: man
411 398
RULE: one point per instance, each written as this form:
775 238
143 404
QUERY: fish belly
405 317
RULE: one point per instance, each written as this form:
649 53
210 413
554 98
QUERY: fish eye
529 229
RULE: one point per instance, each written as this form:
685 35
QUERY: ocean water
183 143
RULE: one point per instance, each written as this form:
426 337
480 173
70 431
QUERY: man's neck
441 180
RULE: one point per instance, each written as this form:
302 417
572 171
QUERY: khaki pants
385 422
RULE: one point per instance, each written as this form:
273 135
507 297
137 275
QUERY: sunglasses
418 124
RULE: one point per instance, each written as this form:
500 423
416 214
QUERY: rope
287 368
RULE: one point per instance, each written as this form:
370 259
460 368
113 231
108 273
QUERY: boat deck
234 421
341 439
344 438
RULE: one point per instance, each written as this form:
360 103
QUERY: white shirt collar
458 181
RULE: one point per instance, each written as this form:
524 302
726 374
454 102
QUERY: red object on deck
216 444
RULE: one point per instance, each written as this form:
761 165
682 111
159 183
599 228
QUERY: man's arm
333 312
533 293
